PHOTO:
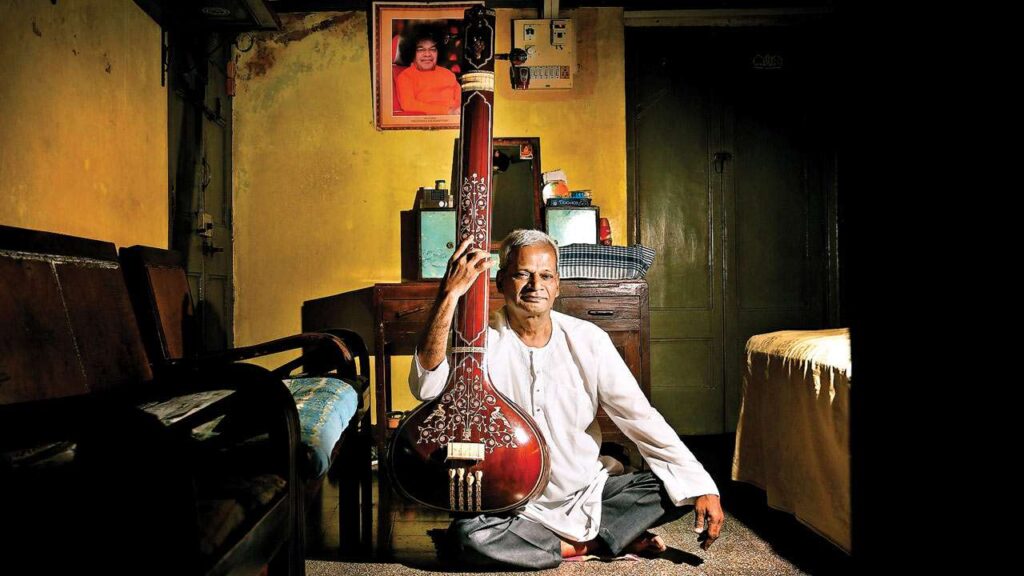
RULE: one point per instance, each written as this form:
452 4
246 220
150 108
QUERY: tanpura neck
534 331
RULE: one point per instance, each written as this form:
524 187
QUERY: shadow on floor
788 537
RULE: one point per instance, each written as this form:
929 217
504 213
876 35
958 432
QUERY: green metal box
432 235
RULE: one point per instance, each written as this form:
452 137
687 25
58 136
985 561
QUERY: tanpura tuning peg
517 56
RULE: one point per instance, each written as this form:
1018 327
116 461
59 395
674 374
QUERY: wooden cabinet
618 306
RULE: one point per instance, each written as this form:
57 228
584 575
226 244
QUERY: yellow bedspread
793 437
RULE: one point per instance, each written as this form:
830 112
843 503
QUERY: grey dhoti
630 504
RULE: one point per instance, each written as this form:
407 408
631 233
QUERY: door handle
719 161
403 313
209 249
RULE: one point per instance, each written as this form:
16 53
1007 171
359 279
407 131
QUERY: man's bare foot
647 542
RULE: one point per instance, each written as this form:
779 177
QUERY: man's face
530 280
426 54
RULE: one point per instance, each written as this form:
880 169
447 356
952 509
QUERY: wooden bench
159 288
108 468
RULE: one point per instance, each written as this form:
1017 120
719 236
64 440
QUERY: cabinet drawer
596 309
415 310
406 310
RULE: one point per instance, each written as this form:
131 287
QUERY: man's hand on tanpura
709 519
464 267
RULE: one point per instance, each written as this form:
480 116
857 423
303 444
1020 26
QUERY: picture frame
429 87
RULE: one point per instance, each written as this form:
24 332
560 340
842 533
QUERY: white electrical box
550 52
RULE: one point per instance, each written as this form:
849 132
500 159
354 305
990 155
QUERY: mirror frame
538 200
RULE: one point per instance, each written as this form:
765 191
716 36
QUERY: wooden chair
93 476
331 433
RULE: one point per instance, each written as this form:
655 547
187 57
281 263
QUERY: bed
793 436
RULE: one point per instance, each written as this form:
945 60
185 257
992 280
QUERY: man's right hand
464 267
709 519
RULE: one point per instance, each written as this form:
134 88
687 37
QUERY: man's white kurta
561 386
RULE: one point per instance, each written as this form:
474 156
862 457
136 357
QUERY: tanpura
471 449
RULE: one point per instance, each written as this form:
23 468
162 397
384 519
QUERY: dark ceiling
282 6
239 15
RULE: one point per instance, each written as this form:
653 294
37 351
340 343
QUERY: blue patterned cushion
325 407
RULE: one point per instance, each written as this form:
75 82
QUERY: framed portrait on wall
417 50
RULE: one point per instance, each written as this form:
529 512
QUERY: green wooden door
731 175
199 133
674 133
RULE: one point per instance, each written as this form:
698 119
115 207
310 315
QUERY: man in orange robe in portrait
425 87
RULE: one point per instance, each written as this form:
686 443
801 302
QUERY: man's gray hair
520 238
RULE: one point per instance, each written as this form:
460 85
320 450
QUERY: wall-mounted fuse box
551 53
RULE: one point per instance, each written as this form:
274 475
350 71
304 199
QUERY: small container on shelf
604 232
394 419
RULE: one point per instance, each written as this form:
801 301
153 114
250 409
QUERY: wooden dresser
398 313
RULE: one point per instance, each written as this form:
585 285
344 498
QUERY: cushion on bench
326 405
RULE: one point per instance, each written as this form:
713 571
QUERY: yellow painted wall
83 120
318 189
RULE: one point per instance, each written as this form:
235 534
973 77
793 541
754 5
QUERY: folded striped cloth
604 262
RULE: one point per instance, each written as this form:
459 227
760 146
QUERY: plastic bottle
605 232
